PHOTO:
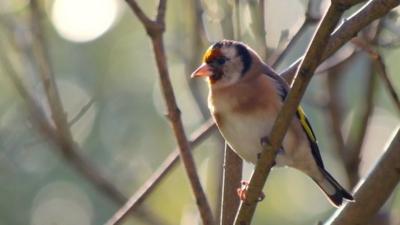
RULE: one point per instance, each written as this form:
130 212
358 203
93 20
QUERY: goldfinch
245 96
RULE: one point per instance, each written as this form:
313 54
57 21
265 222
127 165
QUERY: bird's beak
204 70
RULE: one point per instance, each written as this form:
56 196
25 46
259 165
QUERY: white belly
244 133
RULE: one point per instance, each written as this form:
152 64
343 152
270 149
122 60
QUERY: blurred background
108 84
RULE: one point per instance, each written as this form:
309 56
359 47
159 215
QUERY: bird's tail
333 190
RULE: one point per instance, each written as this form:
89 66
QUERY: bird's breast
243 132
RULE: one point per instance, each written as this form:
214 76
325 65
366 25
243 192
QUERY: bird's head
225 63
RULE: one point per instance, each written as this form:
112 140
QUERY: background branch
383 177
348 29
58 131
380 69
158 176
69 151
276 59
353 148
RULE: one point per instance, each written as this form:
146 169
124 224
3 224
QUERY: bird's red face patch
211 55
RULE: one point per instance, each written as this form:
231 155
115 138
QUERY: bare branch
335 107
348 29
70 152
155 30
81 112
162 6
379 184
46 73
303 77
60 136
232 177
380 68
146 21
155 179
276 59
352 156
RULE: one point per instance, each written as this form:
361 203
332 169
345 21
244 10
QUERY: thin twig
158 176
380 68
46 73
303 77
155 30
61 136
232 164
352 156
258 17
197 41
81 112
276 59
378 185
371 11
69 152
237 31
232 177
335 107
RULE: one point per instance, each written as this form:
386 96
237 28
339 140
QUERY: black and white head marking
231 60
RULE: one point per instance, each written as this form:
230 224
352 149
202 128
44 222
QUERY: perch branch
384 177
303 77
155 30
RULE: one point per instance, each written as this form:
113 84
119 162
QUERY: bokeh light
83 20
9 6
290 16
61 203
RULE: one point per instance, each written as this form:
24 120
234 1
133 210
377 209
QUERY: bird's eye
221 60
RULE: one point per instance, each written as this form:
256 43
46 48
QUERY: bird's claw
242 192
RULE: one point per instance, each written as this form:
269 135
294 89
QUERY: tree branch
155 30
348 29
81 112
231 181
58 132
378 185
70 152
380 68
303 77
353 149
46 73
158 176
276 59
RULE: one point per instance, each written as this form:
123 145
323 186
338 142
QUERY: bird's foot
242 191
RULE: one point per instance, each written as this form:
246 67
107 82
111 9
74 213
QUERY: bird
245 97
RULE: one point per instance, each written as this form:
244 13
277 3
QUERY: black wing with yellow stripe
305 124
282 89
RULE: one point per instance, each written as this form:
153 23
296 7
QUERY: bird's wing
283 89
